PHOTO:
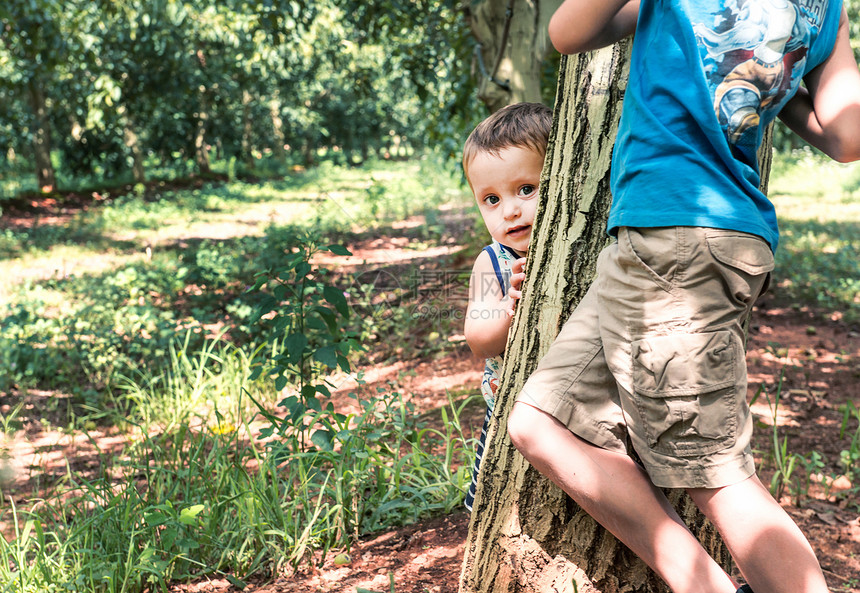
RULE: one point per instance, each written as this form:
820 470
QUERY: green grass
818 205
194 494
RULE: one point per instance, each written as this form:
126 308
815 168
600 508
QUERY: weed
371 471
193 493
187 505
813 465
784 462
849 458
795 472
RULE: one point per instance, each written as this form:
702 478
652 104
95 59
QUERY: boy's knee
521 425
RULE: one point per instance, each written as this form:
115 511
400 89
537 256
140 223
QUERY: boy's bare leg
770 550
614 490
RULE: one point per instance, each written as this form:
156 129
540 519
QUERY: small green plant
362 473
813 465
795 472
850 458
784 462
305 318
374 194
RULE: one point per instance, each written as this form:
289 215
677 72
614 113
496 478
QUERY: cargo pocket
684 391
746 264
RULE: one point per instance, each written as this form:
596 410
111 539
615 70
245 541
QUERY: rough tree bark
513 43
525 534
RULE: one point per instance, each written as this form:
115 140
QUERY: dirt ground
817 361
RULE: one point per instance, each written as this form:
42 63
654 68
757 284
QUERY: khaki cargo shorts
654 354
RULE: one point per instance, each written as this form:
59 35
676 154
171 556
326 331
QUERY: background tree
118 87
512 46
427 43
35 37
525 534
106 90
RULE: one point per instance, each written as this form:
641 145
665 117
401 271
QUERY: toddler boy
502 158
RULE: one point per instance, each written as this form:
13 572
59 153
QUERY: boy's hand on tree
519 275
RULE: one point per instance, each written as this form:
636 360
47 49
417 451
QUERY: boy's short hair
520 124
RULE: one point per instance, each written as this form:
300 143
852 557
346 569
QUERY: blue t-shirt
706 77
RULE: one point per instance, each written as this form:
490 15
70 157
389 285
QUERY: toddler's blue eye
491 200
527 190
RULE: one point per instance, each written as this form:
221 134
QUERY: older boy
654 353
502 158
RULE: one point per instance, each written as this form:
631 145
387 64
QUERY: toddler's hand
519 275
519 267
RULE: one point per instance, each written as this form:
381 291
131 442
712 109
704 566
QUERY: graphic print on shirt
754 55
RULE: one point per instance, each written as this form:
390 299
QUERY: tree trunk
45 177
308 154
132 143
201 150
525 534
247 131
278 129
513 43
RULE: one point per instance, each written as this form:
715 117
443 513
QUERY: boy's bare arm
827 112
489 314
583 25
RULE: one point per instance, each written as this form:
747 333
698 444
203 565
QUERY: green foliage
304 319
362 473
819 267
784 463
187 505
819 214
98 333
130 88
214 376
76 332
850 458
193 494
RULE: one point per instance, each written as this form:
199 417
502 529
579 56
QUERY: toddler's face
506 188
